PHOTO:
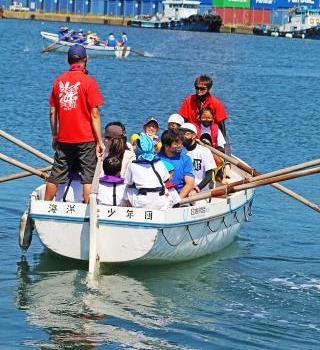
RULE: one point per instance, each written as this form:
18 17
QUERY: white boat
92 50
303 23
173 12
135 235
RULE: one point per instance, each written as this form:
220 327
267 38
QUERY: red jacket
191 107
214 129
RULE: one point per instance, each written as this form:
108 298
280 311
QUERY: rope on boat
216 230
224 222
166 239
192 240
236 217
248 212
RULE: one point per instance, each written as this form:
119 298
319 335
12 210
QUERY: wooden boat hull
94 50
138 235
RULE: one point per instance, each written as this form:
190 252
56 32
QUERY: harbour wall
111 20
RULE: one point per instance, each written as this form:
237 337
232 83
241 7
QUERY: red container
238 16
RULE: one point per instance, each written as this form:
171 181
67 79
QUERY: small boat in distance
92 50
179 15
141 235
303 23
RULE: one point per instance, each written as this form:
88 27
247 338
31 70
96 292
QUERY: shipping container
99 8
231 3
263 4
238 16
293 3
129 8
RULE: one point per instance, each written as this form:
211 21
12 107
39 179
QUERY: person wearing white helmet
175 121
202 159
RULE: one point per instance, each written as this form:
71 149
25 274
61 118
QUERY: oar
93 223
124 51
51 47
254 172
137 52
234 187
21 175
26 146
23 166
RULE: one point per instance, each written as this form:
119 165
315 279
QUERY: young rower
112 187
146 177
202 158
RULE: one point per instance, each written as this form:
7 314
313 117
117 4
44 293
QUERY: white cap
176 118
189 126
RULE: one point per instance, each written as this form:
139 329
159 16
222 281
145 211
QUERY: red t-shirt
191 107
74 94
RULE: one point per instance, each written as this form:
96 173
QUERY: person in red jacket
75 124
193 104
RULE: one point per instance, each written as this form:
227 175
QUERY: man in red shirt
192 104
75 124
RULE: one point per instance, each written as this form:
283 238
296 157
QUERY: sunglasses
201 88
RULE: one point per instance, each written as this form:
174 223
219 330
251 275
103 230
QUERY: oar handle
21 175
26 146
254 172
23 166
235 187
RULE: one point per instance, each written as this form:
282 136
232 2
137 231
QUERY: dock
111 20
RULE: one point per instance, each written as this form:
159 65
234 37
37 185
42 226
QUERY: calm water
263 292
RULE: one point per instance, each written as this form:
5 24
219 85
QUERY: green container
231 3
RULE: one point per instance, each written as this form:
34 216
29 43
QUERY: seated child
112 187
175 121
146 177
222 171
151 127
172 189
71 191
207 126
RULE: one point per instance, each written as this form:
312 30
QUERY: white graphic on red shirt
68 95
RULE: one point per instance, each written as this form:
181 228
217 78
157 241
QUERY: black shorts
70 154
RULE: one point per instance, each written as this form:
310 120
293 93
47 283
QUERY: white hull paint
94 50
138 235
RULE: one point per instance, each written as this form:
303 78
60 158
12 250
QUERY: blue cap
77 51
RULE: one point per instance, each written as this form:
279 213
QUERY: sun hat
145 148
190 127
77 51
176 118
168 165
114 131
150 120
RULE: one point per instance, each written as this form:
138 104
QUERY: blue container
64 6
99 8
264 4
206 2
147 8
292 3
129 8
48 5
78 7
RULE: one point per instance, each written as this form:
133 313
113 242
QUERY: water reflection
125 306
